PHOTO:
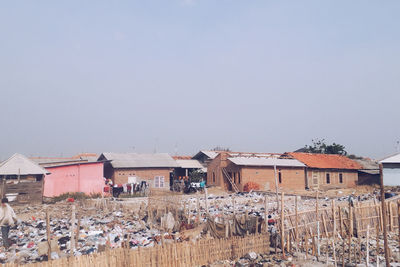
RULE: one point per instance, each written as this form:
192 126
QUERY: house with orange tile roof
326 171
232 171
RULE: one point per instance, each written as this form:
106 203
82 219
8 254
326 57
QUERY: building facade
155 169
263 169
87 178
326 171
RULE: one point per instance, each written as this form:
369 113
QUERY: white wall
391 176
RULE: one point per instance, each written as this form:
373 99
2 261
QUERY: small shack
23 178
85 177
154 169
391 170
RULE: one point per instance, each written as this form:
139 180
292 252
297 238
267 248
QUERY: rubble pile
97 231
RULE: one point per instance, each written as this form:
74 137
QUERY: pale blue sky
266 76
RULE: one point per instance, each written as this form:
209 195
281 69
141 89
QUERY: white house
391 170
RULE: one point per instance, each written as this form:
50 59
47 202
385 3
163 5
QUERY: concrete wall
316 178
291 178
120 176
87 178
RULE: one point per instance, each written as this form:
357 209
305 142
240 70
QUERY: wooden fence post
283 224
384 217
398 218
266 214
72 240
367 260
198 209
48 234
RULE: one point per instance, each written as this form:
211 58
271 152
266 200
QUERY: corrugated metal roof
373 172
134 160
19 164
391 159
210 154
264 161
368 164
189 164
326 161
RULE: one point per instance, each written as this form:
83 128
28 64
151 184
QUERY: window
159 181
328 178
213 177
280 177
238 177
341 178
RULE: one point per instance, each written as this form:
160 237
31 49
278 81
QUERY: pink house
86 177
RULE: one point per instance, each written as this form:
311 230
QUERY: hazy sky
265 76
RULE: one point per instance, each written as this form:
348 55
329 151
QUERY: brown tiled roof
326 161
181 157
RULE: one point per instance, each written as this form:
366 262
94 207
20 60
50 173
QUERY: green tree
319 146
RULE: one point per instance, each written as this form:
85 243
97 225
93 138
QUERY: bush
76 196
251 186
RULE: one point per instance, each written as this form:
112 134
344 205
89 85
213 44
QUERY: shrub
76 196
251 186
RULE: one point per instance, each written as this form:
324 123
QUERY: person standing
7 219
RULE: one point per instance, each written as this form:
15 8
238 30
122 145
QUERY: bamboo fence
202 252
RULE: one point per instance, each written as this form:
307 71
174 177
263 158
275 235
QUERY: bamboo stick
282 224
72 240
367 246
297 224
384 217
48 234
334 231
198 209
398 218
265 214
350 229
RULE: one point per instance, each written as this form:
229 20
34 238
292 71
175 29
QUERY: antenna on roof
155 145
176 149
397 145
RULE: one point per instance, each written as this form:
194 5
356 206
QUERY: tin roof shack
205 157
57 161
236 169
391 170
20 175
186 167
369 174
327 171
85 177
156 169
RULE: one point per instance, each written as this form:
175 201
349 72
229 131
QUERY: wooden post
266 214
367 260
283 224
48 234
384 217
318 247
276 190
377 240
206 196
341 223
234 206
334 231
296 224
391 216
350 228
306 243
72 240
398 218
78 230
198 209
